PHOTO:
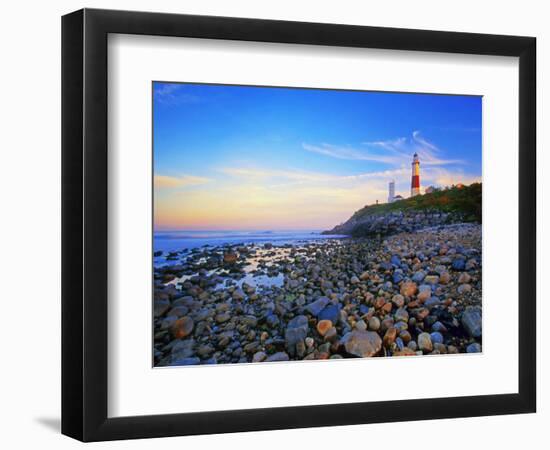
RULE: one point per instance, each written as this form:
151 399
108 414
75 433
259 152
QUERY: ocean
179 240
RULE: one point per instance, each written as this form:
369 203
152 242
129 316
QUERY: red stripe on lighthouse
415 183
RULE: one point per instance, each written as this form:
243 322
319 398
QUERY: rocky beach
415 291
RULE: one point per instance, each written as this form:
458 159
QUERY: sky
268 158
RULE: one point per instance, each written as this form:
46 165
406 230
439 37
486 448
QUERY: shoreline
412 293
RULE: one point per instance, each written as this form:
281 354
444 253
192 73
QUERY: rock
182 327
331 335
473 348
178 311
398 300
425 342
390 336
161 306
250 321
323 326
354 280
230 258
374 324
397 277
445 278
436 337
272 320
471 321
459 264
223 317
167 322
251 347
182 349
317 306
361 325
362 343
464 278
438 326
364 276
259 357
431 279
418 276
279 356
330 312
423 296
300 349
309 342
238 294
464 288
408 288
405 336
401 315
295 332
395 260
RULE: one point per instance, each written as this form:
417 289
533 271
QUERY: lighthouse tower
415 179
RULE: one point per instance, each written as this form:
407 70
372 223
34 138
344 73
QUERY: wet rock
295 332
472 321
161 306
362 343
330 312
230 258
182 327
317 306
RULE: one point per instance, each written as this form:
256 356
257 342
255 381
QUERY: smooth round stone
418 276
436 336
425 342
361 325
362 343
182 327
473 348
408 288
323 326
374 324
398 300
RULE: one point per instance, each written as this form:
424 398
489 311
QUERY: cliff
452 205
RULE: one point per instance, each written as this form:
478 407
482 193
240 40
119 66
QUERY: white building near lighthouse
391 193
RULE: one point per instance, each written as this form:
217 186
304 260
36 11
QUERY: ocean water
179 240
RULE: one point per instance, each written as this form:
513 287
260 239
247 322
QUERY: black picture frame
84 224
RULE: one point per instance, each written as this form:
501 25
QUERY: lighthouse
415 179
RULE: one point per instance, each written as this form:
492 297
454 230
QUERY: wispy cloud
168 182
349 153
394 152
174 94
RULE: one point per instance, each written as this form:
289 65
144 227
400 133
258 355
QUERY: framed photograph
273 224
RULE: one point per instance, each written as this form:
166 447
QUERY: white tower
391 193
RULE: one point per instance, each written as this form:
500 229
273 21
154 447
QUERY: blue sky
243 157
